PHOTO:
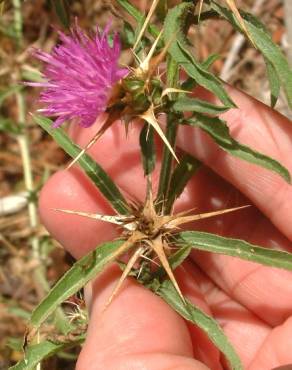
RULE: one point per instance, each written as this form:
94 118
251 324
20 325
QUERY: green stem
17 21
23 142
171 131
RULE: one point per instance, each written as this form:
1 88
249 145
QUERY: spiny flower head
79 74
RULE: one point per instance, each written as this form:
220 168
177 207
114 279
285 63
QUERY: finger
263 129
204 350
276 349
251 284
207 191
72 190
245 330
242 280
137 330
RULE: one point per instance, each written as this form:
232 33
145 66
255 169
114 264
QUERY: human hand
252 302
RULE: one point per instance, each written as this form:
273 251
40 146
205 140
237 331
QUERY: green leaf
138 16
62 10
275 83
38 352
93 170
177 258
147 149
172 76
6 93
186 104
193 314
219 131
74 279
234 247
181 175
175 24
127 35
264 44
210 60
7 125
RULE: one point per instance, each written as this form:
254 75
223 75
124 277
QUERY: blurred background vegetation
30 260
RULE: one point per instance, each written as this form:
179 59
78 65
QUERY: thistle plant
84 80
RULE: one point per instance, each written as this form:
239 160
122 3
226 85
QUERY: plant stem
171 131
23 143
17 21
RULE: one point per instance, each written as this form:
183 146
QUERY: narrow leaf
177 258
74 279
147 148
172 75
93 170
175 23
186 104
193 314
137 15
236 13
234 247
275 83
62 10
264 44
210 60
181 175
6 93
39 352
219 131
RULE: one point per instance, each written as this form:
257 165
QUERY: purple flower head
80 73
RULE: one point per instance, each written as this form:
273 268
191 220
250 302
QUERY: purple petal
79 73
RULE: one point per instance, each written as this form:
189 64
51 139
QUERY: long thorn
149 117
147 20
158 247
97 136
200 10
118 220
125 273
144 66
185 219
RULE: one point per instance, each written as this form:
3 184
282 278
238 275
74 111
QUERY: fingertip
136 323
73 191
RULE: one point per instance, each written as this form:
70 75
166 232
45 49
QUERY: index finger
263 129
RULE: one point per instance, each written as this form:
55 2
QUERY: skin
252 302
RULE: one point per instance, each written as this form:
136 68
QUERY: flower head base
80 73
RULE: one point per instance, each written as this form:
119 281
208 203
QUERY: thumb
136 331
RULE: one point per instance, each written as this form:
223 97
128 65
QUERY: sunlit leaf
264 44
186 104
174 27
137 15
219 131
275 83
236 13
74 279
210 60
94 171
195 315
36 353
234 247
